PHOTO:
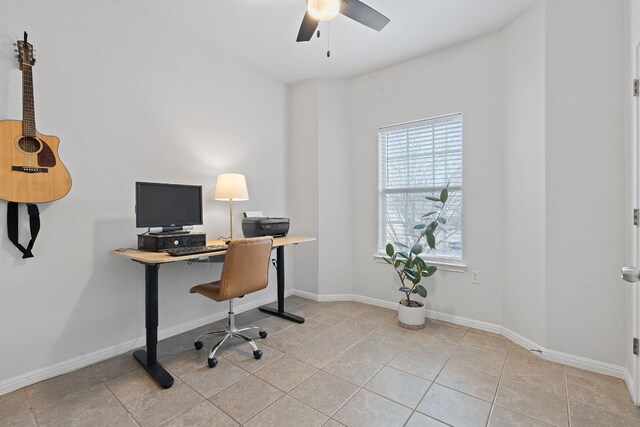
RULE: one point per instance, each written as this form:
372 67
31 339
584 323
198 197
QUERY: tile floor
348 364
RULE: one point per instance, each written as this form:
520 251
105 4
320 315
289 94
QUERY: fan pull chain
328 39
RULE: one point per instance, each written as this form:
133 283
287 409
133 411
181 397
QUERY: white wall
130 101
467 78
523 304
320 185
585 217
303 186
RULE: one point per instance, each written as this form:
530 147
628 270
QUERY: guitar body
30 169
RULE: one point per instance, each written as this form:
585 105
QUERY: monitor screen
168 205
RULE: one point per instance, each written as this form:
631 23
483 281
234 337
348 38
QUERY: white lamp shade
231 186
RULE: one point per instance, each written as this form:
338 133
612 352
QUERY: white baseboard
11 384
551 355
628 378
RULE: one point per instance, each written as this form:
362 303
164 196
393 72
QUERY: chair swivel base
230 332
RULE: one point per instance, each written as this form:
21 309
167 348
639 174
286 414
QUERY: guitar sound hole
29 144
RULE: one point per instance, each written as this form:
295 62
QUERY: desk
152 260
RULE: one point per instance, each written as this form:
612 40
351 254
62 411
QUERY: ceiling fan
324 10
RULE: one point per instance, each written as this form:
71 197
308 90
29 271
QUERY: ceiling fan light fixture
323 10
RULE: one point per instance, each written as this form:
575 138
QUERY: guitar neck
28 110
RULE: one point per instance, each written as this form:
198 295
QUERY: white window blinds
419 159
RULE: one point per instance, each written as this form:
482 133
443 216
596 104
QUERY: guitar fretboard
28 111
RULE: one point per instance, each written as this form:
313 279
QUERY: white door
632 274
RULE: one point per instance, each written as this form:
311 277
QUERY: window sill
442 264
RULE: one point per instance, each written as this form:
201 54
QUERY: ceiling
262 33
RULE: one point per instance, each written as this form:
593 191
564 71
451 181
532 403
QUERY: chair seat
209 290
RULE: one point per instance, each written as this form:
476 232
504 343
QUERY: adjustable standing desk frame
152 260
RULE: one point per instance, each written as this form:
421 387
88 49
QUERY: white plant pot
411 317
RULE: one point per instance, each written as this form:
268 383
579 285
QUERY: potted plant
411 267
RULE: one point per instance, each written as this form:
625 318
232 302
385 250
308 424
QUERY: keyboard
192 250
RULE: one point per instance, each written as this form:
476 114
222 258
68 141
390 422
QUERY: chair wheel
257 354
263 334
198 345
212 362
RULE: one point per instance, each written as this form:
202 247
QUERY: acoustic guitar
30 170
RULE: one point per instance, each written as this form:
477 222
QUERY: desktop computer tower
157 243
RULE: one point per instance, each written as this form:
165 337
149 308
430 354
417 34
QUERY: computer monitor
167 207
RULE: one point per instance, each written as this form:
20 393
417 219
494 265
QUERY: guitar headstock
25 53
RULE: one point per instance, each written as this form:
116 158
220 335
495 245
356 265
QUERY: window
418 159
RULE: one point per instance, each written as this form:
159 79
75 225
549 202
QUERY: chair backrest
246 267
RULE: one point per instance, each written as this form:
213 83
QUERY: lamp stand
230 219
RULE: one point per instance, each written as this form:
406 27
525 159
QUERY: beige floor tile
89 406
374 349
286 340
23 418
485 342
208 381
246 398
398 386
393 336
421 420
131 385
186 361
453 325
14 403
115 366
355 328
378 314
286 373
288 412
370 410
453 407
353 368
605 392
309 310
431 345
161 404
324 392
482 360
535 403
175 344
417 363
470 381
542 374
585 415
319 351
242 356
271 324
447 332
310 328
332 423
331 318
502 417
203 414
49 392
522 354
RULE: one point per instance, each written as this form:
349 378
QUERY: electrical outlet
475 277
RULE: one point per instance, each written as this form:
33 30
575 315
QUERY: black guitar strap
12 226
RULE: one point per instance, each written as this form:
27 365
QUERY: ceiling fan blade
307 28
363 14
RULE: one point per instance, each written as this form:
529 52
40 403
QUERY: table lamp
231 186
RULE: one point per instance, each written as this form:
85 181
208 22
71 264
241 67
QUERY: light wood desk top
147 257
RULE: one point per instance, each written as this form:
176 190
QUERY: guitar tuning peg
15 44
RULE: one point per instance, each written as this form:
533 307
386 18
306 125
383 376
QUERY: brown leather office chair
245 270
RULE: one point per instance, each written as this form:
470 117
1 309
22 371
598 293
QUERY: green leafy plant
406 260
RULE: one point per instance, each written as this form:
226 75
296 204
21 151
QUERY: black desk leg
280 311
149 358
